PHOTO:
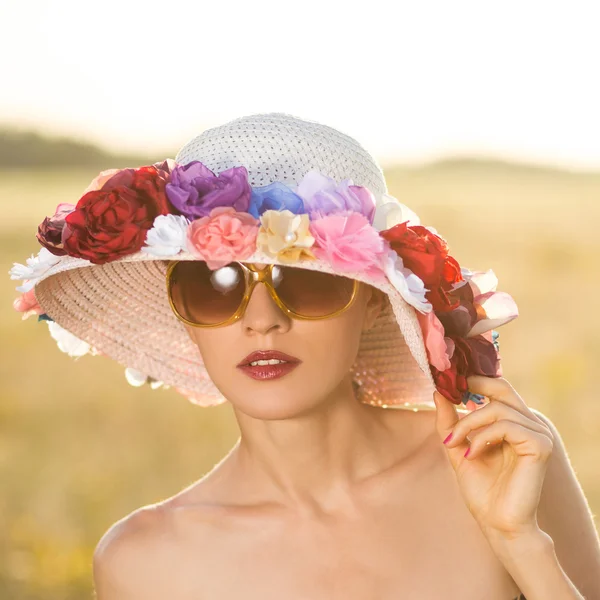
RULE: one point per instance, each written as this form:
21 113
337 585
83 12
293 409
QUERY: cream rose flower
285 235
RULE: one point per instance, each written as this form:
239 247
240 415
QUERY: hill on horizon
32 149
25 148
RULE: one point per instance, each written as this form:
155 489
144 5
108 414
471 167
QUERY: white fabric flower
410 286
67 342
137 379
390 212
167 236
36 267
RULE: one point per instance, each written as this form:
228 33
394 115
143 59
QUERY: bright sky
412 80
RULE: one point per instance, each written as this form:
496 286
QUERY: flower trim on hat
165 208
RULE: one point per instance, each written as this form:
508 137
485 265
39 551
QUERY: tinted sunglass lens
203 296
312 293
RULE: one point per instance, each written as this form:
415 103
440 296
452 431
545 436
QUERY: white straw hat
120 308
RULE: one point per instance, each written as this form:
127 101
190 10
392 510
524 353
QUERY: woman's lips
267 355
268 371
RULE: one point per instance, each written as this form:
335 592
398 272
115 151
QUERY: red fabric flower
113 221
459 321
472 356
50 229
450 383
426 255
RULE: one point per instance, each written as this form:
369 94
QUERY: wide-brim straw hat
121 308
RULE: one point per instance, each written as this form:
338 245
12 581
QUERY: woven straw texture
121 308
279 147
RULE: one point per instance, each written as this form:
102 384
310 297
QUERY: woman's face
325 349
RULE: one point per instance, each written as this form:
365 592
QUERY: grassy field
80 448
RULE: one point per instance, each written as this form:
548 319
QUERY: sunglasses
202 297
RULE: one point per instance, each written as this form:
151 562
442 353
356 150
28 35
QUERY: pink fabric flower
436 345
481 308
348 243
28 305
100 180
497 308
223 236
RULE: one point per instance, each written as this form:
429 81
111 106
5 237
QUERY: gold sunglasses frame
252 277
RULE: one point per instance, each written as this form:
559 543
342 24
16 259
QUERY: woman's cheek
335 346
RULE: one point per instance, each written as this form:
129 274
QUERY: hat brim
121 309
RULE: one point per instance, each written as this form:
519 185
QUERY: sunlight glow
410 80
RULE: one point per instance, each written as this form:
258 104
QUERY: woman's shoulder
123 555
147 553
134 527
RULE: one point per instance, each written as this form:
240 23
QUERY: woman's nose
262 313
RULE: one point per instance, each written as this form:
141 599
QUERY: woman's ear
375 304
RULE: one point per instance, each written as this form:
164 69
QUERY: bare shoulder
162 550
130 560
564 513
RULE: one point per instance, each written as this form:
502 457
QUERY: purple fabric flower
194 190
275 196
323 196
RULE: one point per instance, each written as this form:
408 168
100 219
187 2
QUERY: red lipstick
268 371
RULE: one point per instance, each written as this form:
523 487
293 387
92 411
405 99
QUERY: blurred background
484 116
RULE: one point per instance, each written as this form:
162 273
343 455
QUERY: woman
268 267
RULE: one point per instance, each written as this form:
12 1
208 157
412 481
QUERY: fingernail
467 452
448 438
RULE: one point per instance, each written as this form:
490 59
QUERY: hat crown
281 147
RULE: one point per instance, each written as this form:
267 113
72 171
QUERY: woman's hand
501 471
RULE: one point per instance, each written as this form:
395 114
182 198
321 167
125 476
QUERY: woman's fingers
524 441
488 415
505 417
500 390
446 415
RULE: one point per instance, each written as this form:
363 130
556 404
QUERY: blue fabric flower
477 398
495 336
275 196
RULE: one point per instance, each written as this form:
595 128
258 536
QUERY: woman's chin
273 405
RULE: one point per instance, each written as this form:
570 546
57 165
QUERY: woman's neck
317 460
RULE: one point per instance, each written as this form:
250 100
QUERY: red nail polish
448 438
467 452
